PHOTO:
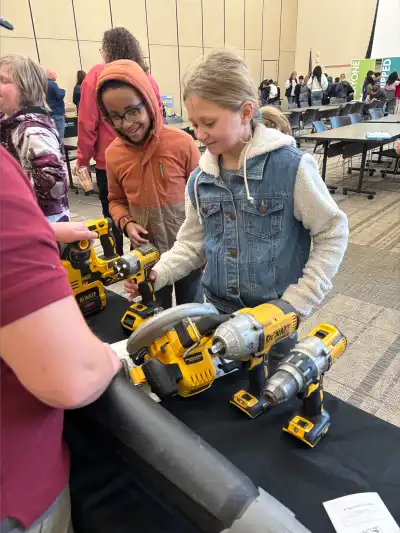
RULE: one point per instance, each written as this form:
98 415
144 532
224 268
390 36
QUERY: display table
359 454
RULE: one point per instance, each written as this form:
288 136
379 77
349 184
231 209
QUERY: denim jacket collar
264 140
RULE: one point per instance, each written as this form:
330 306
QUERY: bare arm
56 357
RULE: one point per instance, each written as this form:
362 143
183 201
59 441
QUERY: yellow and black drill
301 374
88 273
249 336
180 361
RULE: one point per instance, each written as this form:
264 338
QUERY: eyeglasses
132 116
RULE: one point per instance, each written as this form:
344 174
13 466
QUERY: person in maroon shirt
50 360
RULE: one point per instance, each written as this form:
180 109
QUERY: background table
356 133
359 454
389 119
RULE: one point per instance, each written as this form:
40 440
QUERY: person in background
302 93
94 132
392 88
290 86
263 91
28 133
80 76
377 78
55 100
392 82
348 89
369 82
327 91
332 90
44 368
148 165
376 93
317 84
278 90
397 147
278 213
273 93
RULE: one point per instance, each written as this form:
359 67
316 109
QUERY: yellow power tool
249 336
88 273
180 362
301 374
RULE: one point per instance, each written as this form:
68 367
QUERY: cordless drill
138 312
301 373
88 272
249 336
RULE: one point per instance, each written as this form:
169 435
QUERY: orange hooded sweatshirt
147 184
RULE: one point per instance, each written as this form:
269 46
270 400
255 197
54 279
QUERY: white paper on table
361 513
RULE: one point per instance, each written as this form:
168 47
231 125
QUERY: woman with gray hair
29 134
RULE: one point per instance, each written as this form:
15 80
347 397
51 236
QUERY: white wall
387 30
338 30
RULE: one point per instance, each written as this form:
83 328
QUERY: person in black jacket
80 76
55 100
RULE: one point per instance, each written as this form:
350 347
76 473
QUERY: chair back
375 113
319 126
338 122
323 113
309 116
355 118
391 106
346 110
357 108
294 120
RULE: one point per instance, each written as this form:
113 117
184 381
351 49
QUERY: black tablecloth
359 454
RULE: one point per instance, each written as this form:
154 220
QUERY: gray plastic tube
182 471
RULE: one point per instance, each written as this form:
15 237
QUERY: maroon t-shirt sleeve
31 274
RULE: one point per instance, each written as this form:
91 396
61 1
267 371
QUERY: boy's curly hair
119 43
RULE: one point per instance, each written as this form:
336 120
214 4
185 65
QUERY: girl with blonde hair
257 211
29 134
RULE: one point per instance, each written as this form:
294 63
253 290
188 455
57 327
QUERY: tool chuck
238 337
127 265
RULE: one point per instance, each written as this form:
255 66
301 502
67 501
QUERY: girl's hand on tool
133 290
67 232
133 231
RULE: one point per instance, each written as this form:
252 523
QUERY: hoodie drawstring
246 185
196 196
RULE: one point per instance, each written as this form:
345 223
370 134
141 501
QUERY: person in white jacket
257 212
317 84
290 86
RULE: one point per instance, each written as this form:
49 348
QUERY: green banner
359 69
389 65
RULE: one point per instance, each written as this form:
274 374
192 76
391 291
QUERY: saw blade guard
155 327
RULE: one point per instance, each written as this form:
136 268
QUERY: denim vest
254 251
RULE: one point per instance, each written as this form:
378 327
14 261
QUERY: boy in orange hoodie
148 165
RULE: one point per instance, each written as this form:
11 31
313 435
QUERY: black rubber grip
108 244
146 291
208 323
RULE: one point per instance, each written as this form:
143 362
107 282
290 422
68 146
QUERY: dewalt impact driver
88 273
249 336
301 374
